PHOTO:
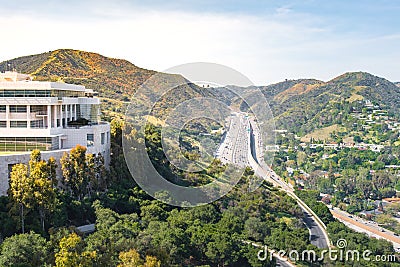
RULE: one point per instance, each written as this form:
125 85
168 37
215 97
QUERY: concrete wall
10 159
79 136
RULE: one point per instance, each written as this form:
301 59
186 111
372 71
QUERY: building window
18 109
103 138
18 124
25 143
24 93
19 93
37 124
2 109
55 143
41 110
3 124
90 140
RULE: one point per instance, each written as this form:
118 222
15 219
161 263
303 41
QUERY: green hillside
115 80
302 106
110 77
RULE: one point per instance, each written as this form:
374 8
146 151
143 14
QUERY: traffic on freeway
234 147
242 146
369 227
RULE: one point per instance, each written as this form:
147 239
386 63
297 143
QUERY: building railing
41 113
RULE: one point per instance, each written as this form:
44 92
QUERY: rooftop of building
11 80
12 76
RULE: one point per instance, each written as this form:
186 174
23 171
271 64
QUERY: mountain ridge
304 105
106 75
299 106
116 80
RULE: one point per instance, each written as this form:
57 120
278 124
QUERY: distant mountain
304 105
397 83
282 91
299 106
110 77
116 80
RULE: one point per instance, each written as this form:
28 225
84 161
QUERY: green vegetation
129 223
33 186
338 231
39 219
301 106
116 80
354 177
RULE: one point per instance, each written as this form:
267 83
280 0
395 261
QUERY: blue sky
266 40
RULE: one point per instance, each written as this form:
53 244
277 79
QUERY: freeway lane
234 148
243 147
318 235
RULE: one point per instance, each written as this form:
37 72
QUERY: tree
43 189
221 250
357 139
250 252
96 173
52 170
393 209
255 229
72 253
83 173
153 212
91 173
387 220
325 186
301 158
380 179
152 261
168 243
366 188
347 184
115 234
21 190
29 249
75 171
130 258
34 187
117 125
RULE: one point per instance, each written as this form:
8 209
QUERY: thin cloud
270 47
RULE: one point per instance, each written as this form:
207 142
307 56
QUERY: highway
234 148
317 236
371 228
243 146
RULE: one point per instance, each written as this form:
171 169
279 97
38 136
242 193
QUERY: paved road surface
368 227
242 146
317 236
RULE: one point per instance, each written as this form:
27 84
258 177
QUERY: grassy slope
301 106
305 105
116 80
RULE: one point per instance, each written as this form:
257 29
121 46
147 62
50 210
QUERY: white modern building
50 116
